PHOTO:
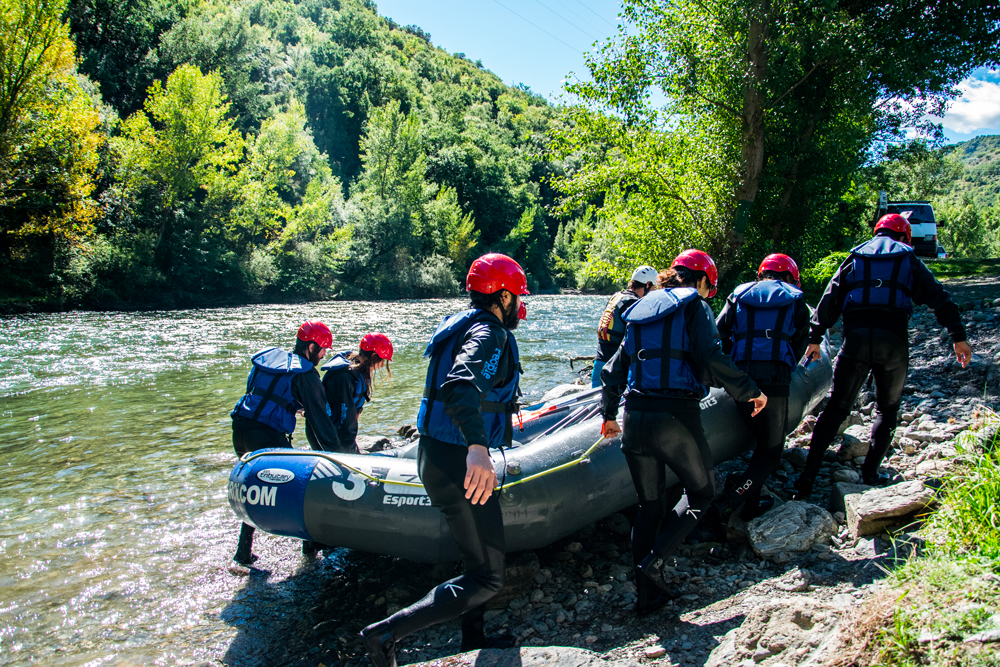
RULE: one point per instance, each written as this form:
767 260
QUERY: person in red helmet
347 380
764 328
670 356
279 385
874 290
470 396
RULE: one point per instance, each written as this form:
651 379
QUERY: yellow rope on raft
583 458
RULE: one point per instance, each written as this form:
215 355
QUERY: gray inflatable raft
558 478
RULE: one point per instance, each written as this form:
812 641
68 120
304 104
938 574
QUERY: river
115 448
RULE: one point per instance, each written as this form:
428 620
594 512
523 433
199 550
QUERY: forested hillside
980 177
215 151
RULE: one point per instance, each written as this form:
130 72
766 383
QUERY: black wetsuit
340 386
769 427
663 427
308 390
876 341
477 529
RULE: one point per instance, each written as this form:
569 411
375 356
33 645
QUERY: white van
920 215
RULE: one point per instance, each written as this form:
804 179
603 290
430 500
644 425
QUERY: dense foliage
157 153
774 110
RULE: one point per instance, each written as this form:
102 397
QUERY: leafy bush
815 278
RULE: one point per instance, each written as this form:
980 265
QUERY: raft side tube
268 492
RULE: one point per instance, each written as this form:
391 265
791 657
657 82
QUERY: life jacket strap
493 406
267 395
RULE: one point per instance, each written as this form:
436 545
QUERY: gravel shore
579 592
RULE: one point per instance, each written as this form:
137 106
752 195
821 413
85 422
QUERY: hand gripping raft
557 480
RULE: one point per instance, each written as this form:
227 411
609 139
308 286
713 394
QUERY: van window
914 213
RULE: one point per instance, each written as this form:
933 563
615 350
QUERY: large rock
542 656
800 630
856 442
370 443
840 491
874 511
793 527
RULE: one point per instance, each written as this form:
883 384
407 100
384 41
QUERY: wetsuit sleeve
340 397
928 291
800 339
712 366
829 308
473 375
308 390
614 377
726 322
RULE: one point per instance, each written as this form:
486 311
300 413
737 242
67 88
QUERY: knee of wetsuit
702 497
832 417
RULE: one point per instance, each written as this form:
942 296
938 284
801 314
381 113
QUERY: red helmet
780 264
316 332
494 272
696 260
896 223
378 343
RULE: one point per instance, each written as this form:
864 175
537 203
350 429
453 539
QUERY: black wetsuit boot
244 551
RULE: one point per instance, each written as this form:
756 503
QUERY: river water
115 448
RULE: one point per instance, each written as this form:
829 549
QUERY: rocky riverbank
774 592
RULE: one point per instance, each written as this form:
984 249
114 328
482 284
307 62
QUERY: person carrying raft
874 289
347 381
764 328
470 393
278 386
611 329
670 354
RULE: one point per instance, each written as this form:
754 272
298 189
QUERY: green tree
182 144
794 94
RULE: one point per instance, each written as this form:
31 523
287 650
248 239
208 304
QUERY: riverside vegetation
158 154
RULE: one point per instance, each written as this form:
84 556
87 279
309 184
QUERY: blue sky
539 42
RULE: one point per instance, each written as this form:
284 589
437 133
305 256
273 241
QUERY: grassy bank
943 606
963 268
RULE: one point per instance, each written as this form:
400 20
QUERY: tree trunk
791 178
752 145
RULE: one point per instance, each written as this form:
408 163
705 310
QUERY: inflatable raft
557 478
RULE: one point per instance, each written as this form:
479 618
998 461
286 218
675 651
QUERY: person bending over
279 385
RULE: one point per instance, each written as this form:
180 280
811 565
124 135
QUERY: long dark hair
365 361
680 276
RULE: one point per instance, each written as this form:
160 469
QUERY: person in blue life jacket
611 329
279 385
347 380
469 398
670 356
764 328
874 290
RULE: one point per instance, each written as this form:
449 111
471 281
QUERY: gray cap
645 274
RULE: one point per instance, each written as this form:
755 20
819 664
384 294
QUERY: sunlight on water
115 449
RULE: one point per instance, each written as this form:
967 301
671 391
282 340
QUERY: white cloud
977 109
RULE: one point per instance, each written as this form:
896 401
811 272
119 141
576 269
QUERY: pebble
654 652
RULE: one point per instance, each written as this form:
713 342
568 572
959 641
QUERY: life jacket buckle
638 355
878 283
769 333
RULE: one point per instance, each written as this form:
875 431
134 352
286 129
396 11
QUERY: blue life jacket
339 363
765 322
497 405
269 389
879 276
657 341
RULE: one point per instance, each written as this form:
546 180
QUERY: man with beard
470 394
279 385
